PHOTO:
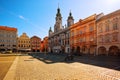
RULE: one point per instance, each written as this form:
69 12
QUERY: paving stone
28 68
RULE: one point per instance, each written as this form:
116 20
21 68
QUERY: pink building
35 43
108 34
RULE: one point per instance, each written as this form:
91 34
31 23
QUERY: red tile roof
7 28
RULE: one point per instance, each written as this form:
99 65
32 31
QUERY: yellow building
24 43
8 38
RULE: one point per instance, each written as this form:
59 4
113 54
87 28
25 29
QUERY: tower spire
58 8
50 29
58 5
58 23
70 19
70 14
58 11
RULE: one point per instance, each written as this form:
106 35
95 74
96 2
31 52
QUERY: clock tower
58 23
70 20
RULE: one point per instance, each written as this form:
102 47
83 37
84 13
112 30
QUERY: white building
8 38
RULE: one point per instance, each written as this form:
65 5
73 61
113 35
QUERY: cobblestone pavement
5 63
29 68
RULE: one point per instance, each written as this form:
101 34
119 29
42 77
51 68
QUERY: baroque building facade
45 44
24 43
35 44
59 39
83 36
8 38
97 34
108 34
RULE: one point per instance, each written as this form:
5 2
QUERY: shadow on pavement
51 58
112 62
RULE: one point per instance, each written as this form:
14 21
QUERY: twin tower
58 24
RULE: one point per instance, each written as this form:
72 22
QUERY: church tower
58 23
70 20
50 31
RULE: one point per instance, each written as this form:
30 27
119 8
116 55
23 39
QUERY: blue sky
36 16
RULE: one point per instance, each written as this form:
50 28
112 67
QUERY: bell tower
70 20
58 23
50 31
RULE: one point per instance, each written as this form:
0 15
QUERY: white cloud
33 24
22 17
37 28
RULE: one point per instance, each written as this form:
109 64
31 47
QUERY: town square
59 40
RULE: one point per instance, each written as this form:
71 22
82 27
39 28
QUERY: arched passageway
77 51
114 50
102 51
84 50
72 50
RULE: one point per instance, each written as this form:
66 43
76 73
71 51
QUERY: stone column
97 50
88 49
107 51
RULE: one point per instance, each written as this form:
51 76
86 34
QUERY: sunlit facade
24 43
83 36
59 39
35 44
44 45
8 38
108 34
97 34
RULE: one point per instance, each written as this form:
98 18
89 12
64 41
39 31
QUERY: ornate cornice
115 13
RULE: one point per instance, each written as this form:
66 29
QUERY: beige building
108 34
24 43
8 38
96 35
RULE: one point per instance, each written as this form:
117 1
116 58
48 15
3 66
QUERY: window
115 23
91 38
77 40
100 29
84 39
91 28
80 39
59 18
100 39
81 32
107 38
115 37
107 25
84 29
68 42
77 32
115 26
